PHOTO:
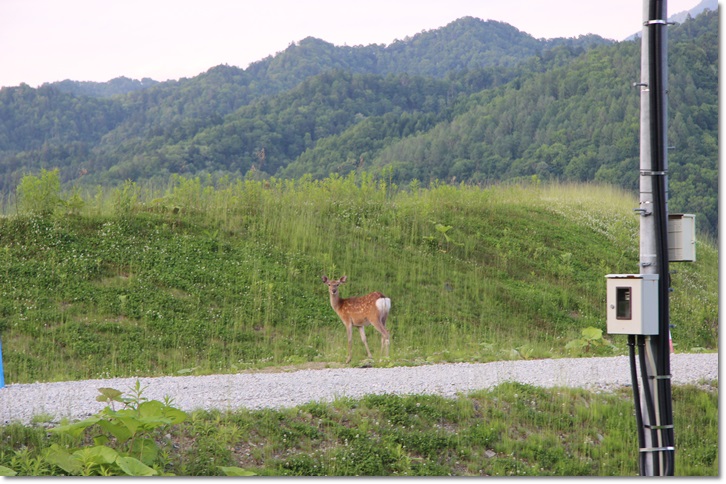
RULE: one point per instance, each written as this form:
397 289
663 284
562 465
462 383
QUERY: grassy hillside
194 278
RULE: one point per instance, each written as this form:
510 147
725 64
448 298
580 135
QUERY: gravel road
76 400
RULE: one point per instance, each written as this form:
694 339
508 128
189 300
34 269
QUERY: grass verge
510 430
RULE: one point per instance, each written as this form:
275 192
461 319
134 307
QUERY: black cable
650 407
657 136
636 399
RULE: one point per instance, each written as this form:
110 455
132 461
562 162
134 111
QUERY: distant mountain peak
681 17
703 5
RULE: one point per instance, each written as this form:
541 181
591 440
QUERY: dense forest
475 102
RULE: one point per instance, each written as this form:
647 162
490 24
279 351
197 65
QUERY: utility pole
657 437
638 304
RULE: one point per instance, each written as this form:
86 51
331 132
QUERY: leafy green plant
443 229
131 430
26 463
444 241
591 338
523 352
233 471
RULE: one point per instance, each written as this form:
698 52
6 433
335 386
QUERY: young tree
39 195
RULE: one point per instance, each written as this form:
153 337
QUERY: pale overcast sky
98 40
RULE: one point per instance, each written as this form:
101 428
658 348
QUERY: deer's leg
385 336
362 331
385 341
385 344
384 318
349 330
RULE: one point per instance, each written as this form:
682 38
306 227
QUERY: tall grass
202 276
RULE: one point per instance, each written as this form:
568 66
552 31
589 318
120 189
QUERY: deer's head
333 284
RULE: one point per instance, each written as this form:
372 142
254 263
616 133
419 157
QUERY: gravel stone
77 399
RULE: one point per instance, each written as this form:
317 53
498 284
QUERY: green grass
200 278
509 430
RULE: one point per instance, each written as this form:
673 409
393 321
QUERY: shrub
39 195
132 430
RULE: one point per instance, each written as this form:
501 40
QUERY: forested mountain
580 122
173 110
465 44
473 101
114 87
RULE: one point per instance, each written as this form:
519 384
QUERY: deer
361 311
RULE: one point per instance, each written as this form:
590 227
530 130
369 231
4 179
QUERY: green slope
220 279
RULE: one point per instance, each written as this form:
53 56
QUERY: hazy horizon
86 40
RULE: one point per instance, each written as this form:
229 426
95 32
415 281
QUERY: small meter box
632 304
681 237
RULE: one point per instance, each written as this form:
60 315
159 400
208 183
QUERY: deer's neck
336 301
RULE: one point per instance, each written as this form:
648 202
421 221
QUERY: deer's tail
384 305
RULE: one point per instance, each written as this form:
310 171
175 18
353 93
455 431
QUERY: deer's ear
343 279
325 279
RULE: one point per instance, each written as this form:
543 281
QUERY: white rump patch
383 304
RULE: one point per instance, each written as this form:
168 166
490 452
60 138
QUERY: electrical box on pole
681 237
632 304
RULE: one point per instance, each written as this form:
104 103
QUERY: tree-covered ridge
114 87
50 118
33 119
474 101
271 132
694 117
568 119
464 44
539 124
